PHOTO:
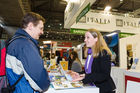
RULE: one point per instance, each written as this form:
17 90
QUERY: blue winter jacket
23 57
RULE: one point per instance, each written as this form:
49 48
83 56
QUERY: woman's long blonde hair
100 44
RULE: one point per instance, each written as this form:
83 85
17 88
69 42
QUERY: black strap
14 38
21 36
17 81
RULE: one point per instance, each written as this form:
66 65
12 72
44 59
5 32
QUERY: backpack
4 86
3 79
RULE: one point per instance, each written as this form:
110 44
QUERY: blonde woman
98 63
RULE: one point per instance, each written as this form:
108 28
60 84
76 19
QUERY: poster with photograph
112 40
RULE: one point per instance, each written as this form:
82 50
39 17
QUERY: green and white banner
77 31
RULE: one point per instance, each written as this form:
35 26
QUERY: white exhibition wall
135 42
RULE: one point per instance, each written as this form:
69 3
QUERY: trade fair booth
127 74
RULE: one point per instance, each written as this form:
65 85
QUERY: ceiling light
1 25
63 2
49 26
111 34
41 47
45 42
67 0
107 8
121 1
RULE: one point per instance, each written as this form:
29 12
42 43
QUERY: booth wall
134 41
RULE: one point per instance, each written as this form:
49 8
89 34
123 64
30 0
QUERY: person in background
76 64
59 58
69 63
47 56
53 61
41 52
23 57
98 63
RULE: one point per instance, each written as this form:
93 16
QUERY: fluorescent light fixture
41 47
1 25
45 42
111 34
107 8
66 0
121 1
73 1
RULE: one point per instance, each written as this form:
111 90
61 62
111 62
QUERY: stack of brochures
63 72
63 80
66 85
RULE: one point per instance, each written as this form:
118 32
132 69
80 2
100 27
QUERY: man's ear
30 25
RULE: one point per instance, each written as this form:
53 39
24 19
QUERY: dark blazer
100 73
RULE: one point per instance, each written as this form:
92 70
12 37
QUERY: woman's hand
78 78
73 74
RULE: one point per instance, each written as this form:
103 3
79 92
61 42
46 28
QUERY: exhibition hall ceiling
11 11
119 6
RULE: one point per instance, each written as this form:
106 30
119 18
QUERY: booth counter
75 90
61 83
127 81
132 81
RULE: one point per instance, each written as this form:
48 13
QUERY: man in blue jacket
23 57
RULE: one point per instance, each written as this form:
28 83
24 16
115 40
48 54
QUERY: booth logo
98 20
121 23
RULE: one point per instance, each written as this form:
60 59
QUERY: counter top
75 90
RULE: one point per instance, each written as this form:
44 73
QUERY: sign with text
109 23
77 31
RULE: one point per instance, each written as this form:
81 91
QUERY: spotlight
107 8
1 24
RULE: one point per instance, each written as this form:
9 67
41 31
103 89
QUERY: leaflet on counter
63 81
60 82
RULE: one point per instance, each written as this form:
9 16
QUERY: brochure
64 65
63 80
63 72
64 84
